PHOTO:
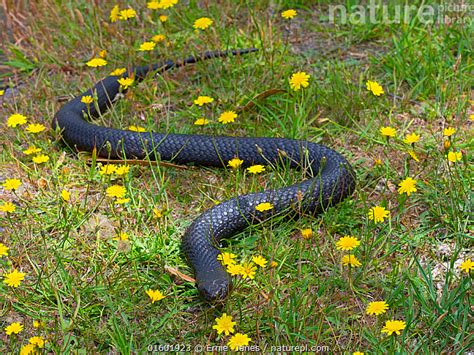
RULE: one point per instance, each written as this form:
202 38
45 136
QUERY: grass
89 289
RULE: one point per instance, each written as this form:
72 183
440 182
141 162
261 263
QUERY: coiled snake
333 178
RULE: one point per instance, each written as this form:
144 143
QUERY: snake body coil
333 178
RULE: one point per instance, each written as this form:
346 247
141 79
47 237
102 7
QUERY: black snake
331 177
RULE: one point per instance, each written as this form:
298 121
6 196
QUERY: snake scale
330 177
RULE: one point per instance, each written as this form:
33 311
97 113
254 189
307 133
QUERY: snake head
214 285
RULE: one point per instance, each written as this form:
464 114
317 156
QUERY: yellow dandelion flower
155 295
446 144
202 100
259 260
289 14
103 53
299 80
347 243
114 14
40 158
3 250
273 264
121 236
136 128
147 46
16 120
255 169
202 23
14 278
407 186
454 156
125 83
38 341
226 258
11 184
201 122
224 324
157 213
14 328
153 5
122 169
163 18
307 233
234 269
377 308
413 155
466 266
448 132
393 326
87 99
388 131
7 207
158 38
2 92
374 87
357 353
248 270
116 191
27 349
227 117
65 195
121 201
35 128
264 206
118 72
108 169
378 214
350 260
31 150
127 14
412 138
238 340
96 62
235 163
38 324
164 4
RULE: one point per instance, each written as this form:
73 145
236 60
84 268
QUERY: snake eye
215 291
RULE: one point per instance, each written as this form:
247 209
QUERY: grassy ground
88 289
